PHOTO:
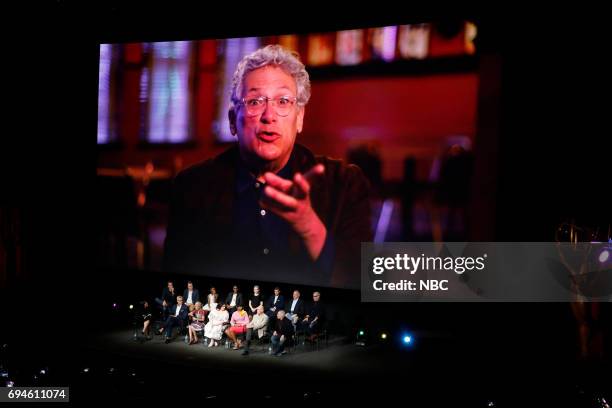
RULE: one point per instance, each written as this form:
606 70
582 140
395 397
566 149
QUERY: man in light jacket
259 324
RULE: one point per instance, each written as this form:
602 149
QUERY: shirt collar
245 179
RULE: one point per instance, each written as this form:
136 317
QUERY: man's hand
290 200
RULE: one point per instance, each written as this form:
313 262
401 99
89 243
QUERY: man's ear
231 115
300 119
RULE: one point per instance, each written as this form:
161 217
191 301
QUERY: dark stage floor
438 369
339 359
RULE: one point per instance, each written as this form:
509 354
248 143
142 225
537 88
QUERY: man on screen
269 207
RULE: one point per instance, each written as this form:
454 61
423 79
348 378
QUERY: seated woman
143 316
217 320
197 322
238 327
211 300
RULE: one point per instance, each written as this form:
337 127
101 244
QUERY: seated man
233 299
296 309
177 317
191 295
314 318
283 333
275 303
167 300
258 324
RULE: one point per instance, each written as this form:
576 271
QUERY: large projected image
273 158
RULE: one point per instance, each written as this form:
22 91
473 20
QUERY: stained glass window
165 92
106 123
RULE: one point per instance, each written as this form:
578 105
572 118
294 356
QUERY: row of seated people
275 318
234 298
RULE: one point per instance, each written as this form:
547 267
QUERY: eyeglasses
257 105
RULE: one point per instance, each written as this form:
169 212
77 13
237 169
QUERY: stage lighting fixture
383 336
131 307
361 332
114 305
407 339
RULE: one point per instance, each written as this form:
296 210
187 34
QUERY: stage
437 368
340 358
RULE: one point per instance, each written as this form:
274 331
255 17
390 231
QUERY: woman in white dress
211 300
217 320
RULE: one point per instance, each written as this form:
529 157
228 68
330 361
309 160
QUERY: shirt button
266 251
262 212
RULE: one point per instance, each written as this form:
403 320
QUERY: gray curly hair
276 55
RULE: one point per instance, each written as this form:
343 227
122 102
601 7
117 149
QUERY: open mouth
267 136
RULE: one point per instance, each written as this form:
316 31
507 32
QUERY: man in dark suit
282 334
233 299
295 308
269 208
315 317
275 303
167 300
177 316
191 295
